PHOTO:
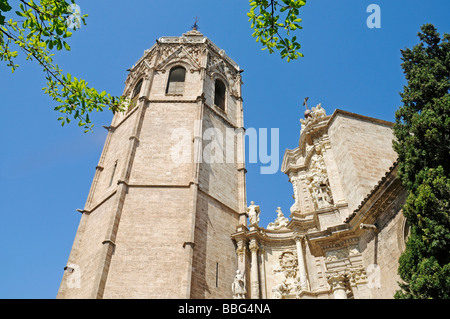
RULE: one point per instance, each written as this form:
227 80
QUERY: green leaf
4 6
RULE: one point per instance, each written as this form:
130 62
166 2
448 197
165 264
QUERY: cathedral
167 214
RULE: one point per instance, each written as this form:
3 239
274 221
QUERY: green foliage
422 132
267 25
37 30
5 7
40 28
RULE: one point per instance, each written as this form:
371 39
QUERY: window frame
224 109
134 96
172 69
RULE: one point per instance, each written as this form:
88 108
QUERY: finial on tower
195 26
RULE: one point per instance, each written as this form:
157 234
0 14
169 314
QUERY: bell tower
169 188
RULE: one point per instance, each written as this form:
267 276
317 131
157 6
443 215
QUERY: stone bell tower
169 188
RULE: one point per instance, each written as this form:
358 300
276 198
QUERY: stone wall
157 222
382 250
351 157
149 261
215 260
362 148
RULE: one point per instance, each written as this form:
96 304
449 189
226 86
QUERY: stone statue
317 181
318 112
313 115
238 286
279 290
280 222
253 212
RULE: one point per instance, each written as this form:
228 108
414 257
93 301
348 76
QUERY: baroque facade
166 218
345 230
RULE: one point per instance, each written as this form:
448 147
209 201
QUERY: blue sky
46 170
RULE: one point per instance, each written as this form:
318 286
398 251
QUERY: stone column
240 251
301 262
262 271
242 197
338 283
242 262
254 269
240 148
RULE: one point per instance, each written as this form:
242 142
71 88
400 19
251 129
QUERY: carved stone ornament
333 255
358 276
196 52
217 64
253 246
345 277
294 180
338 279
317 114
279 291
240 250
138 71
289 263
180 53
317 181
280 221
167 50
288 267
253 212
238 286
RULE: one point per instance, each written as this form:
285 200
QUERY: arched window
136 91
176 80
219 94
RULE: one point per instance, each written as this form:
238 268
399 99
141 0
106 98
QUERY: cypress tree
422 132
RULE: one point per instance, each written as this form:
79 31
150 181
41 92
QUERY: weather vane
195 26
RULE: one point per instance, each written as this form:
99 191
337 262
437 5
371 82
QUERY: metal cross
304 102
